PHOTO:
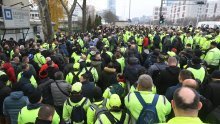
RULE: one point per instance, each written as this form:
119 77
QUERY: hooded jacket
132 69
13 104
167 78
109 77
26 85
10 72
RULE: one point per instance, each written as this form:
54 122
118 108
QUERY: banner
15 18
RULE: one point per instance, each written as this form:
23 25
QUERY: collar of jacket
39 121
75 98
33 106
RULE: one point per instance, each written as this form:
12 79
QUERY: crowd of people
113 75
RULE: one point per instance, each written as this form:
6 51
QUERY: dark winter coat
26 85
131 71
4 92
44 87
109 77
87 90
212 92
167 78
13 104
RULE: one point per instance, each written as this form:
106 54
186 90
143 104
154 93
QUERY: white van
210 24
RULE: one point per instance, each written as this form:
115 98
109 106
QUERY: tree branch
65 7
79 5
73 7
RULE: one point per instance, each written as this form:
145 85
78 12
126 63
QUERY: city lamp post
129 11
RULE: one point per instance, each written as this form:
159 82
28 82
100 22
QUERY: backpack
148 114
75 77
99 109
114 120
117 89
89 73
78 114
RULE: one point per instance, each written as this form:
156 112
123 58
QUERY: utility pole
129 11
161 9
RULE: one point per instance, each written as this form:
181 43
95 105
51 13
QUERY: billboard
15 18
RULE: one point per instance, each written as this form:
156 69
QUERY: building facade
186 9
156 13
212 9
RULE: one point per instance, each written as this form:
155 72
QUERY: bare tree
83 8
69 13
110 17
45 19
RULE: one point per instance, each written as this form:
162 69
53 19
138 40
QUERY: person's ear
199 105
173 104
41 99
138 87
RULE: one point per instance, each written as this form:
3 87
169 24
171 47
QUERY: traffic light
161 19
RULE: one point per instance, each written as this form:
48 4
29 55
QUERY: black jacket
44 87
212 92
167 78
131 71
4 92
109 77
26 86
87 90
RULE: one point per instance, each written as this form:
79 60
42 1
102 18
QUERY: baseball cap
77 87
114 100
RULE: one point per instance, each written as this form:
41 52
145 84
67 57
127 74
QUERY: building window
184 3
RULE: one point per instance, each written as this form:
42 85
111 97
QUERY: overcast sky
138 7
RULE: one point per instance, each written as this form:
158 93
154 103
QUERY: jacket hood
197 66
133 60
17 95
173 69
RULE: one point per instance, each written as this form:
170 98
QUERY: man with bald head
186 105
207 104
134 101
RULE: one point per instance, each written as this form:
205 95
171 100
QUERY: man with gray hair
168 77
137 101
